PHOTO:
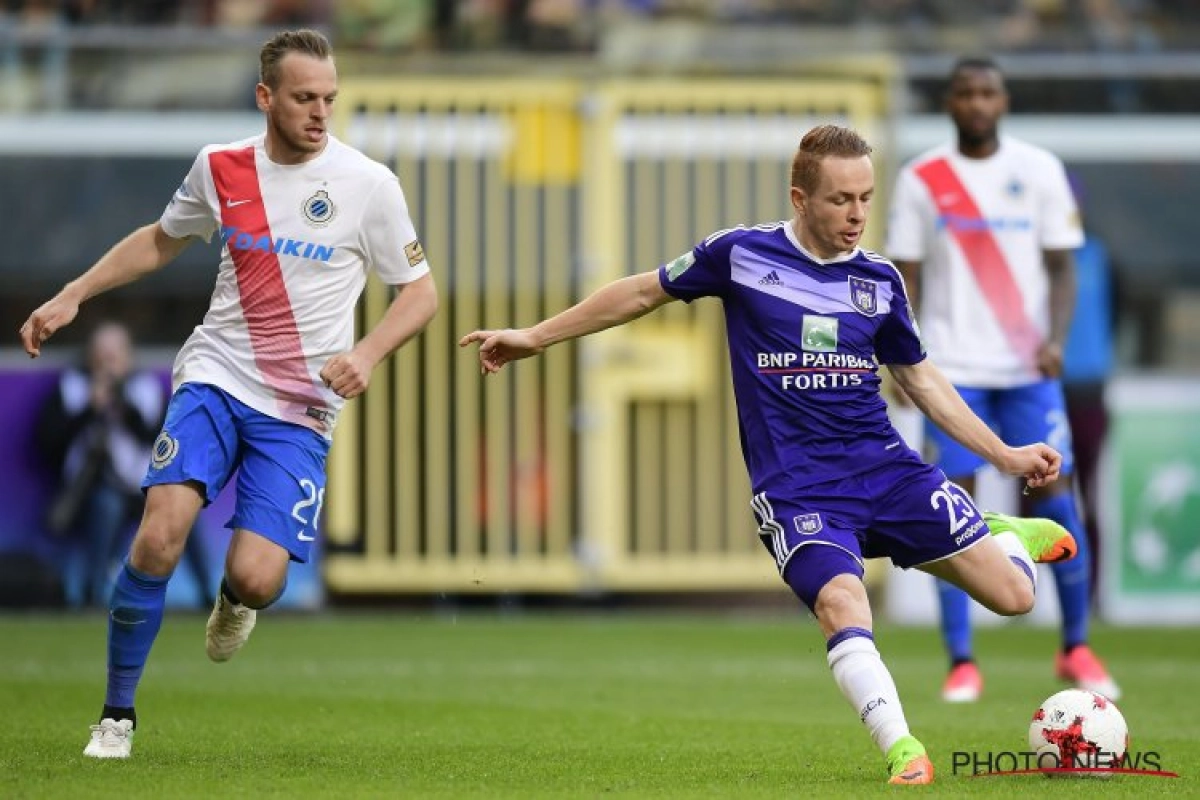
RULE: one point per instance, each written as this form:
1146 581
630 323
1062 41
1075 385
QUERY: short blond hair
824 141
304 41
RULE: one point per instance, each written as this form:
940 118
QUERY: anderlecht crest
807 524
863 295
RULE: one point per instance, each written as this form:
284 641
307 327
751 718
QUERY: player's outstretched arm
937 398
615 304
348 374
145 250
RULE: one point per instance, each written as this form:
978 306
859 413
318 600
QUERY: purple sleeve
701 272
898 340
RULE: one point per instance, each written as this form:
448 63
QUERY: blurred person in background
810 317
983 230
1087 365
97 429
302 218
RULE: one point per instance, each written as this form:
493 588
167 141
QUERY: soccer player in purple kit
809 313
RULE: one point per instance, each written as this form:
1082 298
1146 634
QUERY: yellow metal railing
612 463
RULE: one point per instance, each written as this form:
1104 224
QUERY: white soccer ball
1079 730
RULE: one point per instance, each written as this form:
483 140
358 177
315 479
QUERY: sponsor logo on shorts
969 533
166 447
807 524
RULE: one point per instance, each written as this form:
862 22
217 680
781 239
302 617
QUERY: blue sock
1073 578
135 615
956 621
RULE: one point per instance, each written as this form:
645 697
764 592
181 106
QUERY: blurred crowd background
1079 55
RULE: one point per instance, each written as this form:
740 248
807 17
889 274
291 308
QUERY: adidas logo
771 279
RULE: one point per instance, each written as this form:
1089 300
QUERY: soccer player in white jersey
259 383
810 316
983 230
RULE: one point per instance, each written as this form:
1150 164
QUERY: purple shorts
904 509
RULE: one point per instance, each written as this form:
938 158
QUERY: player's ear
262 97
799 200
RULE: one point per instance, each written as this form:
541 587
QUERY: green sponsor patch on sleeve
680 265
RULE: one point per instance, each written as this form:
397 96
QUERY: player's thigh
920 515
190 462
198 443
281 483
813 536
954 459
985 572
1036 412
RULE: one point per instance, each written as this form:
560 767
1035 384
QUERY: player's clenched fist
347 374
1038 463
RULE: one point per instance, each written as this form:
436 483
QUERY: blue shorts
904 509
208 435
1020 415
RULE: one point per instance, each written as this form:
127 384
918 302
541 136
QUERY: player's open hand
347 374
57 312
1038 463
497 348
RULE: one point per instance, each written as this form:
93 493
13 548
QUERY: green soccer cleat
1044 539
908 763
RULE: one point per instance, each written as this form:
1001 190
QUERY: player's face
298 109
833 217
976 100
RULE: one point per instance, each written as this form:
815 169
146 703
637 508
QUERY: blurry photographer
97 429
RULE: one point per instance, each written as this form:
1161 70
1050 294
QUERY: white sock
864 680
1013 548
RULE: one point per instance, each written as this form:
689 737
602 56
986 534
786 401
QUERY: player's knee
841 604
157 547
255 588
1015 598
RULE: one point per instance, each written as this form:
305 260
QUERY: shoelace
108 733
230 616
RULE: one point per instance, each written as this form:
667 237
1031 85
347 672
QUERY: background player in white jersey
260 381
983 231
808 312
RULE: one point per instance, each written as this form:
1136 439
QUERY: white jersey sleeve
1061 228
191 210
908 218
390 240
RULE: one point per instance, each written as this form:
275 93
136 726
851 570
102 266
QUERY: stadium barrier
610 464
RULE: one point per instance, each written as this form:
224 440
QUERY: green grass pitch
562 705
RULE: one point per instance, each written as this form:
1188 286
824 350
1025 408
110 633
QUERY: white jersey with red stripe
298 242
979 227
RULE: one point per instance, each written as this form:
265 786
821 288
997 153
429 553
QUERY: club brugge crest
166 447
319 209
807 524
863 295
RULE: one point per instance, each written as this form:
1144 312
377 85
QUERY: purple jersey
806 338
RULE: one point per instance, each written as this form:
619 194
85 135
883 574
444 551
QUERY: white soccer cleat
228 628
112 738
